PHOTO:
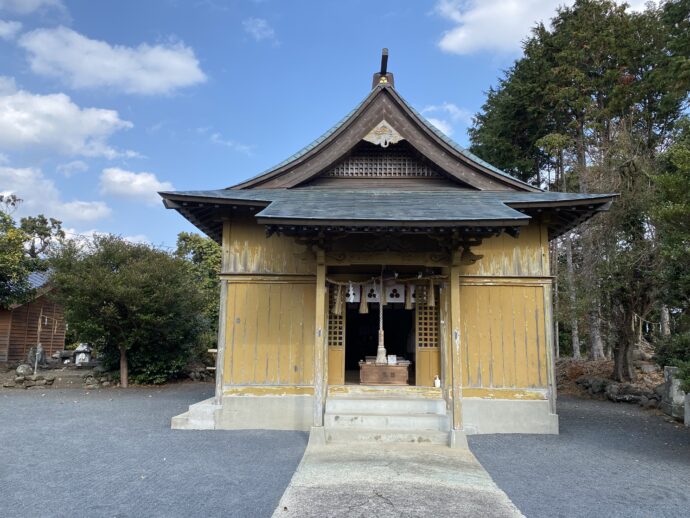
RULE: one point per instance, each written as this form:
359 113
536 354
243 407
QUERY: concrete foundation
295 412
266 413
482 416
248 412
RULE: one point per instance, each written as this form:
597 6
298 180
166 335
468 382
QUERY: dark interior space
361 336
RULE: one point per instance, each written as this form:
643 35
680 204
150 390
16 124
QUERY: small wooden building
24 326
384 263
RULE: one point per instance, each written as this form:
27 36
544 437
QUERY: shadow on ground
609 460
112 453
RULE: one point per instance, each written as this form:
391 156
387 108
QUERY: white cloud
85 63
9 29
40 195
442 125
496 25
70 168
29 6
137 238
259 29
54 123
217 138
446 115
138 186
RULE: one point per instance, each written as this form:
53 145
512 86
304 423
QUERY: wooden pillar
550 356
222 313
320 338
222 342
455 326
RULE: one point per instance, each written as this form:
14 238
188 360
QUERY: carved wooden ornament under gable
383 135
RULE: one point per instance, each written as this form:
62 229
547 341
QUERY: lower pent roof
387 208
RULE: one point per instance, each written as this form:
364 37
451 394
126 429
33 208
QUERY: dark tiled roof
39 279
388 204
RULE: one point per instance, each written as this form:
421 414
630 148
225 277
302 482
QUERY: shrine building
384 284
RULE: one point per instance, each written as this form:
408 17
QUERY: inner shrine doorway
411 320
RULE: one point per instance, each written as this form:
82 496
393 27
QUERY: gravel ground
111 452
609 460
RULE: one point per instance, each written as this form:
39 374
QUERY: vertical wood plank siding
503 314
249 251
503 334
270 311
5 320
23 329
498 309
270 330
527 255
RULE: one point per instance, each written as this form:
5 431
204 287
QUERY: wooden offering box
371 373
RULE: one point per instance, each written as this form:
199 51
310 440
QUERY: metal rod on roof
384 61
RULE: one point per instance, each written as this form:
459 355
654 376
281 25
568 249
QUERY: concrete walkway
392 480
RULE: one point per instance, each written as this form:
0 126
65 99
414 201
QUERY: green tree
21 249
137 305
588 107
672 220
205 256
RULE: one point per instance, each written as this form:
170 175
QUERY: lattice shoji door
428 361
336 340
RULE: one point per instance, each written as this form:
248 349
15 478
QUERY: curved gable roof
384 102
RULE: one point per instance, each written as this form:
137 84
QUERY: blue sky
102 103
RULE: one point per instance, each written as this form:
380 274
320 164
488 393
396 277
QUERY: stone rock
9 384
598 385
90 386
648 367
24 370
19 379
626 393
50 381
105 384
659 390
29 383
40 382
37 377
673 399
593 385
687 410
50 378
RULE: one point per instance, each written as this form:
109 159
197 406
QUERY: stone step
384 406
200 416
435 422
355 435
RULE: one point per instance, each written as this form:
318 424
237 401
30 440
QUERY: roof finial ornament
383 77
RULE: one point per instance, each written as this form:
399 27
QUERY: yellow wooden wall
270 308
503 335
271 305
248 251
270 334
527 255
